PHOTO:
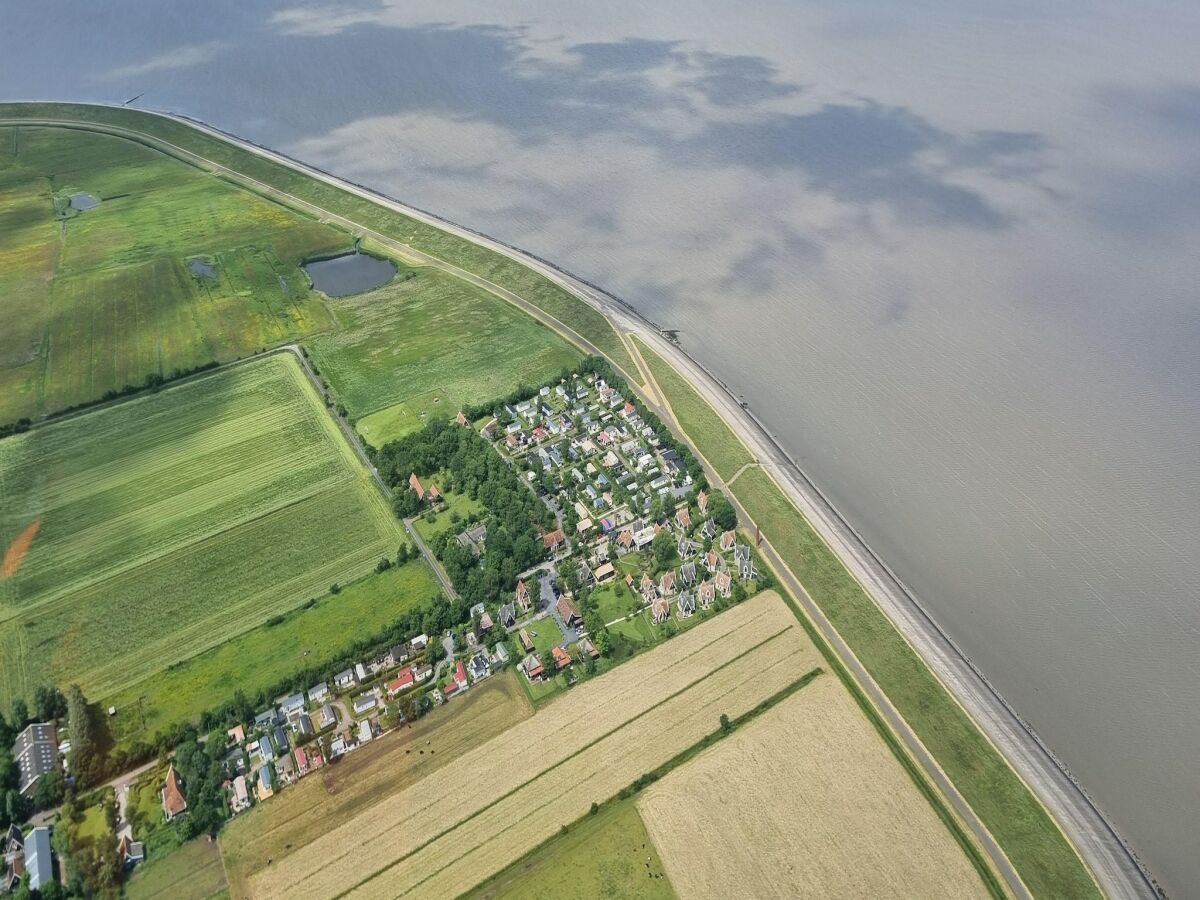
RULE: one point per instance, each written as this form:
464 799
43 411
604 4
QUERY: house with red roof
173 802
403 681
562 659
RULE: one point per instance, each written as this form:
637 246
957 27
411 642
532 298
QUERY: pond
202 268
352 273
83 201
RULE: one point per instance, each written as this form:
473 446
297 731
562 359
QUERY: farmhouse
473 538
173 802
35 753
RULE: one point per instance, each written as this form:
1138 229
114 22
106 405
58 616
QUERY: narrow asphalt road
1112 861
432 560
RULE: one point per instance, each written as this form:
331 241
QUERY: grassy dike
1046 861
495 267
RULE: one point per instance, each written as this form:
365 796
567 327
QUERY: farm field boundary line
591 743
1111 858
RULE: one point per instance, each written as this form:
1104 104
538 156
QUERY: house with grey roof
39 863
35 752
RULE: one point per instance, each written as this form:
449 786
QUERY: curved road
1113 863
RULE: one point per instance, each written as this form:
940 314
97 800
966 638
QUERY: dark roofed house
687 604
35 752
708 530
508 615
687 573
173 802
687 548
568 612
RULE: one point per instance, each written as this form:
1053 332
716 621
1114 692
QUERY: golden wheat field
488 807
818 807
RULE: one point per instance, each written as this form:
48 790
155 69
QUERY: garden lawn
422 347
441 522
172 522
262 657
101 298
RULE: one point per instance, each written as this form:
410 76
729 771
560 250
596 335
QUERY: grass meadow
190 872
421 347
260 658
98 299
497 268
174 521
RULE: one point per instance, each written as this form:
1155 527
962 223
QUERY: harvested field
820 806
434 839
352 785
174 521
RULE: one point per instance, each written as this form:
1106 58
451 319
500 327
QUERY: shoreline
1113 863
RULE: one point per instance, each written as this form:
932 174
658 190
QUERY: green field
192 871
1029 836
172 522
420 348
263 656
97 299
721 447
497 268
602 855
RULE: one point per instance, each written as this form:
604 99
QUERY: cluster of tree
199 767
18 427
92 864
515 517
89 740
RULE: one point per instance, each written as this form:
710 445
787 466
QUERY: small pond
202 269
352 273
83 201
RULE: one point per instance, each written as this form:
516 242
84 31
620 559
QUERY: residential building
562 659
35 753
660 610
39 861
568 613
318 693
173 802
344 679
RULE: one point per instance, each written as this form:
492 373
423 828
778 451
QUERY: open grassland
1046 861
421 347
174 521
721 447
306 637
608 854
190 872
341 792
497 268
434 839
97 299
817 806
